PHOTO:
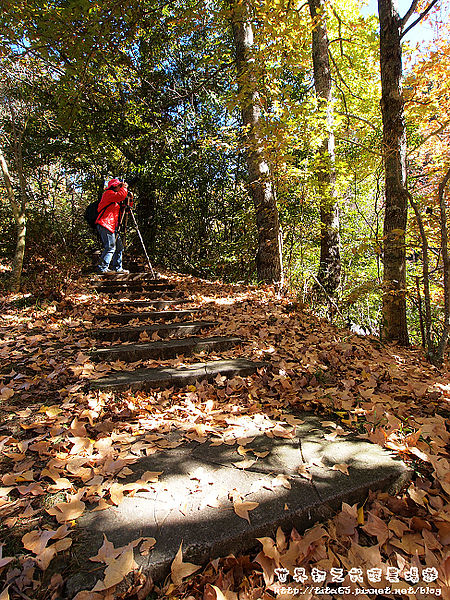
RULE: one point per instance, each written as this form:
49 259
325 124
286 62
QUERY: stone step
146 295
179 510
132 334
164 349
148 303
139 276
115 286
148 379
164 315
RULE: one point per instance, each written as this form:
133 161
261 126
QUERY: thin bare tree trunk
439 355
429 344
269 259
435 354
20 219
329 275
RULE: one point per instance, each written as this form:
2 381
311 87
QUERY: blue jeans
112 250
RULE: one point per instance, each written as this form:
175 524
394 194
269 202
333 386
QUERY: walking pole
142 242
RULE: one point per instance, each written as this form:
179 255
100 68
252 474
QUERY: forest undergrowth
66 450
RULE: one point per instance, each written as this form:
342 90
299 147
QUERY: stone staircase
175 510
167 333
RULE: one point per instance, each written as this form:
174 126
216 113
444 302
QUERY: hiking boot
106 272
122 272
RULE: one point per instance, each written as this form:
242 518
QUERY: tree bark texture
394 326
329 275
269 258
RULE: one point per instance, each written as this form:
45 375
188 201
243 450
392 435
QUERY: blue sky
422 32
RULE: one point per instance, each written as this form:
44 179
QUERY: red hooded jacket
110 218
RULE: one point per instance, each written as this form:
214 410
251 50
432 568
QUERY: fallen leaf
5 594
303 471
242 509
343 468
146 545
180 570
36 541
117 569
67 511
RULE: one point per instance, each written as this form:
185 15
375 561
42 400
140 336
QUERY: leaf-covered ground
65 450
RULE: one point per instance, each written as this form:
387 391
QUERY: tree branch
358 118
421 16
410 12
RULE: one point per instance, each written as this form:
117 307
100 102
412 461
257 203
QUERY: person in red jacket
110 208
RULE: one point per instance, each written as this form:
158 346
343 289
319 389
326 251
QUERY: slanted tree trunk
18 209
269 259
329 275
394 325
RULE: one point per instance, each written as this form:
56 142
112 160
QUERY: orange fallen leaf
180 570
303 471
343 468
5 594
147 545
242 509
36 541
117 569
245 464
67 511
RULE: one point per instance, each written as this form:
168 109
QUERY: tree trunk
269 258
329 275
394 326
20 219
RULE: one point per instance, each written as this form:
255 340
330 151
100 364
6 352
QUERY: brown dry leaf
102 505
444 532
376 527
116 493
229 595
280 431
86 595
281 480
411 543
398 527
105 552
46 556
245 464
417 495
444 574
303 471
5 594
6 393
61 483
343 468
242 450
179 569
117 569
36 541
268 567
430 540
269 548
147 545
4 561
67 511
347 520
242 509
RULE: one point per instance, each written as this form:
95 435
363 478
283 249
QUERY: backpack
91 213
